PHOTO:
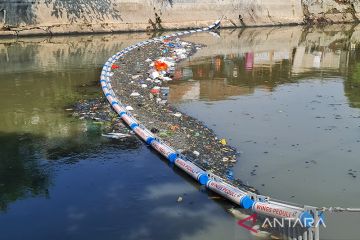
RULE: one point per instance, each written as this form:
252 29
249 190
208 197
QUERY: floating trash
166 78
114 66
116 135
155 91
129 108
154 74
223 141
160 66
134 94
177 114
230 175
154 130
135 77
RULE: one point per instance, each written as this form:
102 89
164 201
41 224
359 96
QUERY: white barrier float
144 134
193 170
280 210
232 193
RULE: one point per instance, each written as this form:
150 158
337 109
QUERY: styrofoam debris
154 74
177 114
134 94
166 78
115 135
129 108
135 76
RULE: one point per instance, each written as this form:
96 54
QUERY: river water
289 100
286 98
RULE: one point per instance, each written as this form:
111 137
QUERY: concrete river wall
51 17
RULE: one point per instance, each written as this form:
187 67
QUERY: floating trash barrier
307 215
242 198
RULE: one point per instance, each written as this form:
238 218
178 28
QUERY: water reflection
232 67
21 176
39 78
123 191
288 99
352 84
60 179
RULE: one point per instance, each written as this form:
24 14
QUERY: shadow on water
21 176
39 77
24 171
98 188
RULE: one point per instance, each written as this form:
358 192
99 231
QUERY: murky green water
296 118
59 179
288 99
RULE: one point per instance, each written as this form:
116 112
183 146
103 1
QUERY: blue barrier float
242 198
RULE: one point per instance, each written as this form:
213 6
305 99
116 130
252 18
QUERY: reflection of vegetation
352 83
21 175
37 81
352 86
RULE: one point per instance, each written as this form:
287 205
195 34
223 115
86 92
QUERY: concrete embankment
54 17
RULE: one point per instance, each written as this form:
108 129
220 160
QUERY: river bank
54 17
